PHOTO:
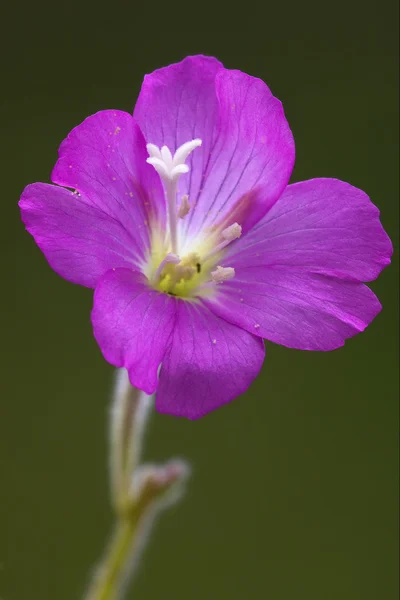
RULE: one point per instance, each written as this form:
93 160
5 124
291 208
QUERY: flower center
196 272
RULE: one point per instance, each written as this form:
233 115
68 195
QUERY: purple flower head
182 220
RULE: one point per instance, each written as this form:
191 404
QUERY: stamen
184 207
170 258
184 272
233 232
222 274
191 259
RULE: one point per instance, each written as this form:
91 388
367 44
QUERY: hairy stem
139 492
110 577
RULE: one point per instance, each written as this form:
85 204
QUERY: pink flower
183 221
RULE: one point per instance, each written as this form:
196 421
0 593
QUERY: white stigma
167 166
184 207
169 169
222 274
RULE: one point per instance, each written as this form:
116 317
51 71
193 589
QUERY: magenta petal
253 155
105 158
132 325
300 310
178 103
80 241
298 271
322 225
209 363
247 154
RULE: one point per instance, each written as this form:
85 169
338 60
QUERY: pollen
233 232
184 272
222 274
184 207
191 259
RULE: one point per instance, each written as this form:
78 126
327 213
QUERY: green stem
108 580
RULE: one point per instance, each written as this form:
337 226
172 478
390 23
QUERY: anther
184 207
170 258
222 274
233 232
184 272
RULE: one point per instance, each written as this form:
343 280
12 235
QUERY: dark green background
294 488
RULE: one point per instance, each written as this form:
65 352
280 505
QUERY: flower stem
139 492
110 578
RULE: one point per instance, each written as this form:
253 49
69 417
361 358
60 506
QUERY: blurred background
294 492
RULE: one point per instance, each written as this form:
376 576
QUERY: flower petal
208 364
132 325
300 310
178 104
80 241
104 158
322 225
247 154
